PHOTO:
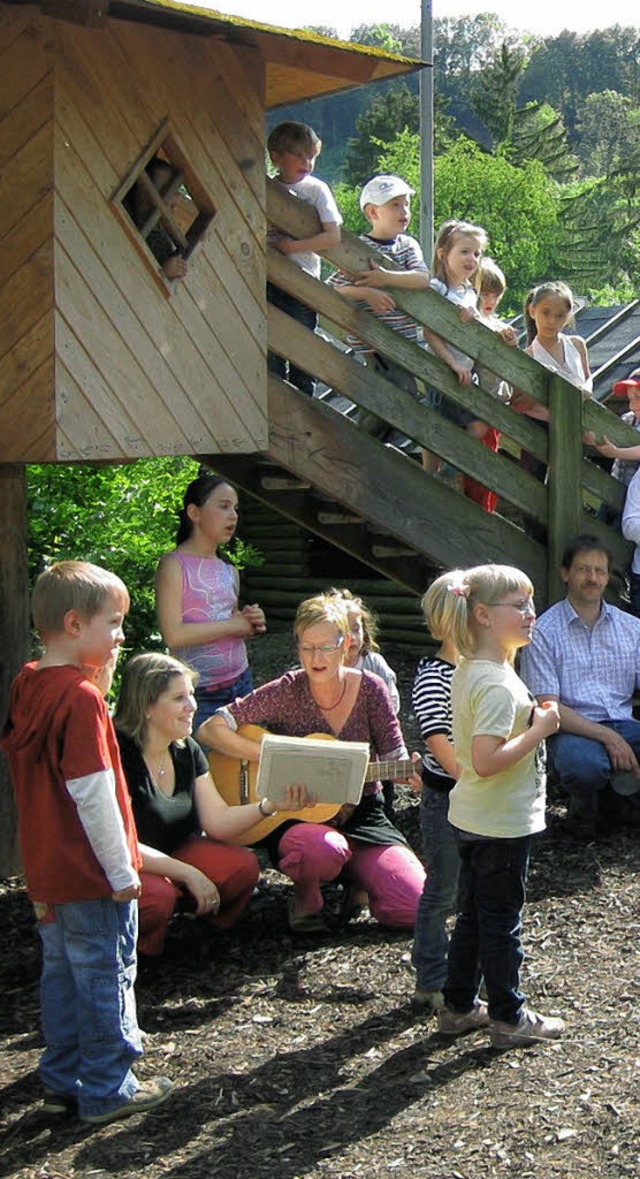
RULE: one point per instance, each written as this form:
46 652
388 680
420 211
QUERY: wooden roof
299 64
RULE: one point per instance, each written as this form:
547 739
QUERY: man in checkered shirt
585 654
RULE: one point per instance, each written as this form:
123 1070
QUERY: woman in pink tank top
197 598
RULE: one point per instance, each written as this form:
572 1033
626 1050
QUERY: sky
539 16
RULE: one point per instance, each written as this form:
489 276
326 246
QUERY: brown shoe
151 1093
531 1028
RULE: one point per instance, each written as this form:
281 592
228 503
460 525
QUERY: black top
164 821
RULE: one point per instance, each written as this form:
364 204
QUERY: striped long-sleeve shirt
431 702
405 251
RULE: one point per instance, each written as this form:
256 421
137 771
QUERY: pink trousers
233 870
312 854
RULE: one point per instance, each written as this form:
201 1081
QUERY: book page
332 770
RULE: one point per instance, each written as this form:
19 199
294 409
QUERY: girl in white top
548 310
497 803
456 275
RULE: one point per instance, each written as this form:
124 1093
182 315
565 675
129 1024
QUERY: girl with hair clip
497 803
431 701
197 598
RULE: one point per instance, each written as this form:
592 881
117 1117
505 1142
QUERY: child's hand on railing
509 335
375 276
468 314
377 300
463 374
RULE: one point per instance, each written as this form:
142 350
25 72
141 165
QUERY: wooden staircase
375 501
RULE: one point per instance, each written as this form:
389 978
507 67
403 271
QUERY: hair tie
460 590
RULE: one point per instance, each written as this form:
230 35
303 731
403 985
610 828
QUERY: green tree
518 206
382 36
609 130
123 517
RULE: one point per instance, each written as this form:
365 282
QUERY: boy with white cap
386 203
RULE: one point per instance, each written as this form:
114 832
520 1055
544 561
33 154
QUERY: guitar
236 778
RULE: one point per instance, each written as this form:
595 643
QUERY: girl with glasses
497 803
361 845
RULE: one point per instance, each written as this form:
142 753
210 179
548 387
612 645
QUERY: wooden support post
14 632
565 475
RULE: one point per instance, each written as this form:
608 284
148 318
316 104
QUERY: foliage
389 114
609 130
123 517
517 206
382 36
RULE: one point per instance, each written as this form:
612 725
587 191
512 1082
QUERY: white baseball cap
381 189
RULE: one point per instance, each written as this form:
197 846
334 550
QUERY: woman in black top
180 816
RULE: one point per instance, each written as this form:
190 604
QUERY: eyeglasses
323 648
524 606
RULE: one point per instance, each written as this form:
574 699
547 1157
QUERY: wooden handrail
570 471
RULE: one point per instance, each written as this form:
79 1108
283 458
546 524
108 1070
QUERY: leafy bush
123 517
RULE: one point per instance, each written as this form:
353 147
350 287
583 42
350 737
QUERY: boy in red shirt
79 848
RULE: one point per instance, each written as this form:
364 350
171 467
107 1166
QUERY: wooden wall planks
138 366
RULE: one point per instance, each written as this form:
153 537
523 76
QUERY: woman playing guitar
325 696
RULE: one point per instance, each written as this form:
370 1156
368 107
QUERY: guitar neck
389 771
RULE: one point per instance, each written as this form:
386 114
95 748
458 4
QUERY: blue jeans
440 892
88 1004
209 700
486 939
583 766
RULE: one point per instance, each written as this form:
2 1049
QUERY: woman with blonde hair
360 845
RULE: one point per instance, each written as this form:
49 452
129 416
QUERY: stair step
338 518
392 550
283 483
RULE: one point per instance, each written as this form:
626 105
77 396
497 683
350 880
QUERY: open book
334 771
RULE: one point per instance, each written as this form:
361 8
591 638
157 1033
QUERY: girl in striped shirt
431 701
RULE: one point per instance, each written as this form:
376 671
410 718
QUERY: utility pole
426 129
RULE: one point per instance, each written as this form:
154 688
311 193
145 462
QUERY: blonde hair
544 290
369 621
446 239
322 608
434 602
454 595
144 679
492 280
73 585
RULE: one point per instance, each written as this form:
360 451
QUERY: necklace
162 768
338 701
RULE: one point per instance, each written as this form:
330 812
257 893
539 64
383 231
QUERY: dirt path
299 1058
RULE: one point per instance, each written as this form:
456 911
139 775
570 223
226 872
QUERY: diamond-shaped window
165 207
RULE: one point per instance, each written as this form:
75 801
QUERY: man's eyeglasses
525 606
323 648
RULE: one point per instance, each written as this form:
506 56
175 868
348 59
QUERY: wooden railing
574 487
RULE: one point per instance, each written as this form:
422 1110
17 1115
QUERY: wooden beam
314 443
426 307
421 364
565 474
426 426
90 13
14 633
